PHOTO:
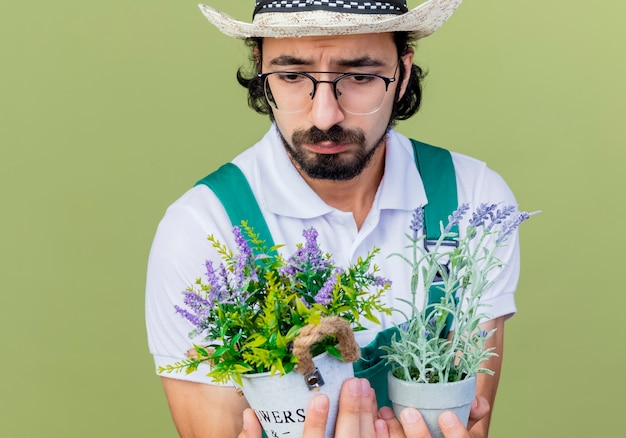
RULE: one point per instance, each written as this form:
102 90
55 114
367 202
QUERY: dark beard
334 167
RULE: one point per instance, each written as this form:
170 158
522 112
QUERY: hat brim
421 21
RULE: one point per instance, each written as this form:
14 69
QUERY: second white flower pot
431 399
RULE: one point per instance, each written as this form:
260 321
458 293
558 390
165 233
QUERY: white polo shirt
289 206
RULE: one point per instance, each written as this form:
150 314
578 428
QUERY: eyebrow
289 60
364 61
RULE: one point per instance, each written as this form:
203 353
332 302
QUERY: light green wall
110 110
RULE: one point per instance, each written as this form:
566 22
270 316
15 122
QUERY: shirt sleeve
483 185
177 258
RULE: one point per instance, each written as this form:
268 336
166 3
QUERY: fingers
251 426
357 410
316 417
480 409
414 426
357 417
392 425
451 426
411 424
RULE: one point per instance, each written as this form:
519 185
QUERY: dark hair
402 110
410 102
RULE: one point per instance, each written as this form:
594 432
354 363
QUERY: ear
256 57
407 61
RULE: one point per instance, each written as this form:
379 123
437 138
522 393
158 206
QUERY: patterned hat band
345 6
299 18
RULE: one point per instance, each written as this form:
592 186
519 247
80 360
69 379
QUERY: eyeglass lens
293 92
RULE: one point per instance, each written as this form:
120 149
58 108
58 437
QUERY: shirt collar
285 192
401 187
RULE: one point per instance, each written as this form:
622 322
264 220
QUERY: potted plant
265 315
437 353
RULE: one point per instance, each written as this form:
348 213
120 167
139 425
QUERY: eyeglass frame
387 80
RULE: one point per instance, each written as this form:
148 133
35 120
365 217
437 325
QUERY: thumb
251 426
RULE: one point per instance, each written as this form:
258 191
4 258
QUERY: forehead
332 49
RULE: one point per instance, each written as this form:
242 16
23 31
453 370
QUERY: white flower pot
280 402
431 399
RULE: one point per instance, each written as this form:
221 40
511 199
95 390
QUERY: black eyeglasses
357 93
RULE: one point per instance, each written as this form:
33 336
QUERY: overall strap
437 171
232 189
439 178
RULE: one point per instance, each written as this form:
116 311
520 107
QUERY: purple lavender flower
456 217
287 271
311 240
381 281
482 213
241 242
225 293
499 216
324 295
417 223
197 303
308 257
313 252
511 225
215 285
199 322
244 261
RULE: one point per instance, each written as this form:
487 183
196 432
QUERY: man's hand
357 417
480 410
412 425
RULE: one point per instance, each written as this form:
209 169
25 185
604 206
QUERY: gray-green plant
424 350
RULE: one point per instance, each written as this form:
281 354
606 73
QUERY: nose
325 111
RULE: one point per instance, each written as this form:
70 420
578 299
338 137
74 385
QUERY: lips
327 147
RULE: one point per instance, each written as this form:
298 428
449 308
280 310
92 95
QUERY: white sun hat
297 18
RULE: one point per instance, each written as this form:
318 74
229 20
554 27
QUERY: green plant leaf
334 352
302 309
201 351
280 341
277 366
315 318
370 317
292 333
255 340
241 368
220 351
